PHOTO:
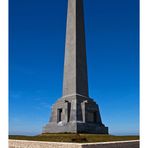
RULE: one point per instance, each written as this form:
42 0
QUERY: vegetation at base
81 138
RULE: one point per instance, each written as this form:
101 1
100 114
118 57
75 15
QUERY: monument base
75 114
75 128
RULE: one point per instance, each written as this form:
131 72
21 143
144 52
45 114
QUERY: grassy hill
82 138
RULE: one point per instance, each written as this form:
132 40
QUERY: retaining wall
39 144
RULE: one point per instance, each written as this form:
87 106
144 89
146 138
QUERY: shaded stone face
75 112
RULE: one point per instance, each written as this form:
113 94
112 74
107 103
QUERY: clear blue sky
36 56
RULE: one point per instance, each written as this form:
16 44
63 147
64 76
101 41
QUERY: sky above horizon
36 57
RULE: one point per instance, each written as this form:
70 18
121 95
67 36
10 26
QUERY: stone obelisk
75 111
75 67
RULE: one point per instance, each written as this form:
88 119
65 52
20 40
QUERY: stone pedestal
75 114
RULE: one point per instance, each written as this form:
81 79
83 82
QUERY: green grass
82 138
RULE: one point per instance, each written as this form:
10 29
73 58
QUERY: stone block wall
75 114
38 144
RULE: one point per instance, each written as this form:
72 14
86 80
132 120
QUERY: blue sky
36 56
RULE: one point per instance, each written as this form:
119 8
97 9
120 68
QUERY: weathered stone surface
123 144
38 144
79 115
75 65
75 111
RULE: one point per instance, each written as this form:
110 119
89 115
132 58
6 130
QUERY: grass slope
82 138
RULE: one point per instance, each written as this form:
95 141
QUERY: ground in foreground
82 138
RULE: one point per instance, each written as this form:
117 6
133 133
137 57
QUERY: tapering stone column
75 66
71 113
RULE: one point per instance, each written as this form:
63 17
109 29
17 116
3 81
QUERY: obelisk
75 67
75 111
